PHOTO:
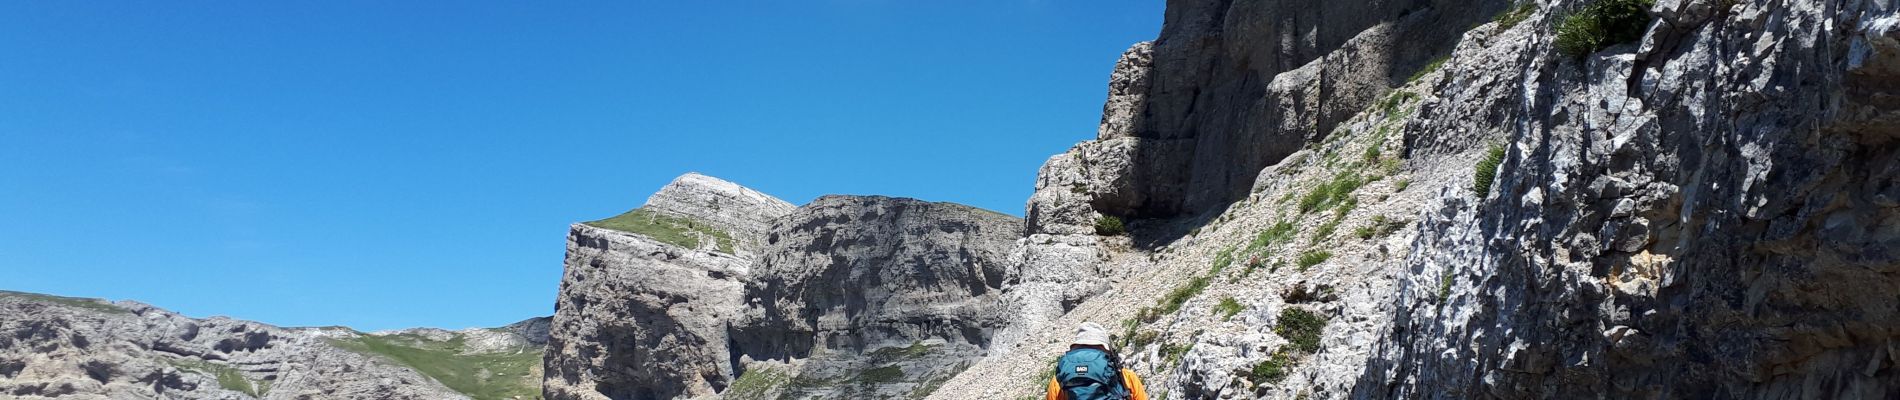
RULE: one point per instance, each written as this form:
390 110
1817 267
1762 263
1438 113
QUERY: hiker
1091 371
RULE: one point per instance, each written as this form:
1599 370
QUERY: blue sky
392 164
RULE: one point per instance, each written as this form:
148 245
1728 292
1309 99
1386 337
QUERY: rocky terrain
1428 199
72 348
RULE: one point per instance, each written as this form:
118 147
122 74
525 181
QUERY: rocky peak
723 204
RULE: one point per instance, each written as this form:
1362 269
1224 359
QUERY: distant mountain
64 347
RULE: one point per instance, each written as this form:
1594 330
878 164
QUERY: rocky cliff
70 348
1698 204
844 297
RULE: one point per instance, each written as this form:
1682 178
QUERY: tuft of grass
674 230
1487 170
1380 227
1444 285
1602 24
1428 69
1325 230
1311 258
1109 225
1280 232
1515 15
1401 185
1331 193
499 375
1227 308
1222 260
1390 106
1173 352
1180 295
1273 369
1301 328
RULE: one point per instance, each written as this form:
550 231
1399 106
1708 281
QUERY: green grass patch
757 384
1300 328
1222 260
1601 24
1311 258
677 231
1401 185
228 378
1227 308
880 375
1172 352
99 305
1180 295
1380 227
1487 170
1109 225
1515 15
500 375
1280 232
1331 193
914 351
1390 106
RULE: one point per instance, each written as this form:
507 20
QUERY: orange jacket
1129 380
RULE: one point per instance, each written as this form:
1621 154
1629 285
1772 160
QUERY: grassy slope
503 375
90 304
683 232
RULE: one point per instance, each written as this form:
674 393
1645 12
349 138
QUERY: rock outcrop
58 347
642 318
862 295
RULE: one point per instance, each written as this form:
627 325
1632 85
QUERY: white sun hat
1090 333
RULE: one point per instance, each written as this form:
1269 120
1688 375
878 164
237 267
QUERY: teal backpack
1090 374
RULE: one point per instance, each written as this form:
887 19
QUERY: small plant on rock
1487 170
1109 225
1227 308
1602 24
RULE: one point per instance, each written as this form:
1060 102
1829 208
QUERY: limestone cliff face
1232 86
852 273
642 318
850 295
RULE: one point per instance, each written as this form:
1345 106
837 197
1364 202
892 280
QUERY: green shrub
1312 258
1487 170
1227 308
1515 15
1273 369
1109 225
1602 24
1300 328
1444 284
1390 106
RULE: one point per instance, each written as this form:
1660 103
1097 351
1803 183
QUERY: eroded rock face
852 273
1235 85
1706 215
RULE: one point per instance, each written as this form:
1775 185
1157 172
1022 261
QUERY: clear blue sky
393 164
